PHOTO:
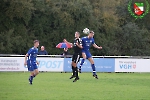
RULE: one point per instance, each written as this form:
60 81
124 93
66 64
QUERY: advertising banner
102 65
12 64
51 64
132 65
17 64
64 64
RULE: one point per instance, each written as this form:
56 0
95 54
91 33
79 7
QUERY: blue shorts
88 54
32 65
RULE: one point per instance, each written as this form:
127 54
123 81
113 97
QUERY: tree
50 21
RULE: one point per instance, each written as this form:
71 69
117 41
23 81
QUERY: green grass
58 86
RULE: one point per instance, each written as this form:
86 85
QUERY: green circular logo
140 15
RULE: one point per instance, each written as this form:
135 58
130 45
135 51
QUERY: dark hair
92 32
36 41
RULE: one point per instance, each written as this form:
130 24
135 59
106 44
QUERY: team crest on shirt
90 40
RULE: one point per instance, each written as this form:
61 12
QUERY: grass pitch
58 86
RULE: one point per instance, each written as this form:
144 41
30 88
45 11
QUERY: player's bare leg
36 72
84 57
93 67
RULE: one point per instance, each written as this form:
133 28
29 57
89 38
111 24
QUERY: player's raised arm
95 46
68 42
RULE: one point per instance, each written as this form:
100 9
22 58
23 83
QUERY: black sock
73 71
76 71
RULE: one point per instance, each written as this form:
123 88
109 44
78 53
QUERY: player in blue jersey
86 43
31 62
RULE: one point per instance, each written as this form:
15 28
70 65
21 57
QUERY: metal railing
69 56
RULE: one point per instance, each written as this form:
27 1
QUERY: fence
58 63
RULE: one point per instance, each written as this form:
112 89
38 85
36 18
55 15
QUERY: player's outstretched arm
95 46
67 42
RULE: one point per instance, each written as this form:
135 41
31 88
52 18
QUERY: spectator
43 51
65 52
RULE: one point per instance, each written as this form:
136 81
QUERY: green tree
50 21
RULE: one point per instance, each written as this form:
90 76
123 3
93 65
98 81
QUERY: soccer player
77 45
86 43
31 62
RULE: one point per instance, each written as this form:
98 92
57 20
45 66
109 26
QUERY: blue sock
81 63
93 68
31 78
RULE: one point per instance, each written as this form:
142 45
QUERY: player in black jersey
77 46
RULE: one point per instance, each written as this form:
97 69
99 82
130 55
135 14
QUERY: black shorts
76 57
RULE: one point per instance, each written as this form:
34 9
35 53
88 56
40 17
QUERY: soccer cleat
76 79
30 82
79 70
95 76
72 77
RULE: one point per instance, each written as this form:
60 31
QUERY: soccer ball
86 31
